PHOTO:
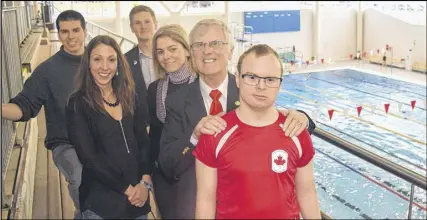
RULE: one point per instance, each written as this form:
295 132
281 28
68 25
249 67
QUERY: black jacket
132 56
156 126
50 85
165 187
113 154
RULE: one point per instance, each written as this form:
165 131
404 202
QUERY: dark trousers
165 192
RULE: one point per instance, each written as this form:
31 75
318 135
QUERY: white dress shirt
147 68
206 90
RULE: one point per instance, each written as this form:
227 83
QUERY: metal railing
287 55
24 19
413 178
16 25
94 30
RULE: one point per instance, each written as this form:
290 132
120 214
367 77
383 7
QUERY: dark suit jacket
132 56
184 109
165 188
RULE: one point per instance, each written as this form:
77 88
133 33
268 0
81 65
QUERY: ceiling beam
166 7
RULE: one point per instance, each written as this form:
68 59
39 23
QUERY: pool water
349 187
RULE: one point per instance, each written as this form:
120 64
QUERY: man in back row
251 169
143 24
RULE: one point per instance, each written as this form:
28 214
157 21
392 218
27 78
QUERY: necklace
112 104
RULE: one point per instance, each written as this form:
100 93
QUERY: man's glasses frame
253 80
216 45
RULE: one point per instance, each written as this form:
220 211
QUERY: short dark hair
259 50
71 15
141 8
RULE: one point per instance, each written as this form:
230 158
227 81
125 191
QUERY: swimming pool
349 187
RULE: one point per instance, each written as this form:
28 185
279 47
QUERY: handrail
387 165
383 163
111 32
90 26
16 26
298 55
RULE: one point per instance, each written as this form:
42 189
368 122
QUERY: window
236 6
108 9
203 7
410 12
155 5
174 6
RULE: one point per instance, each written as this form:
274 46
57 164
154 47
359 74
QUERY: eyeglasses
253 80
216 45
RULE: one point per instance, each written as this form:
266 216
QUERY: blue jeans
88 214
67 162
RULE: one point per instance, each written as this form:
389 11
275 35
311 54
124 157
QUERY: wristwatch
148 185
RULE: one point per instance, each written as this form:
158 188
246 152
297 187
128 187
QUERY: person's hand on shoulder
295 122
210 124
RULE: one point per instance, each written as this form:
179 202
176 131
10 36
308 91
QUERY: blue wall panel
273 21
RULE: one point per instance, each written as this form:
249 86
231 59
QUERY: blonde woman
171 62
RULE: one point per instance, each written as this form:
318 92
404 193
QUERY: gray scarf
180 76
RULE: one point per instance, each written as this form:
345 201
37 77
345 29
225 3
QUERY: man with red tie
251 169
196 108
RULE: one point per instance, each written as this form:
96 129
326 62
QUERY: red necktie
216 106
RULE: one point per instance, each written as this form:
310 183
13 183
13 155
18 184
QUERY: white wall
337 33
301 39
187 22
381 29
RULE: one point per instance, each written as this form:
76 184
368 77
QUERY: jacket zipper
124 136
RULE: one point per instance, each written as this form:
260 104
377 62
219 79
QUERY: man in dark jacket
143 23
50 85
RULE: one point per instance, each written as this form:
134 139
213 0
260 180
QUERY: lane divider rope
357 118
365 106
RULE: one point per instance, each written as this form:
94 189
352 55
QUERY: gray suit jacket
184 109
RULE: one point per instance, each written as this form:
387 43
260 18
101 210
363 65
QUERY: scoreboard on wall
273 21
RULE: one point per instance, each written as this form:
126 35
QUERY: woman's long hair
123 84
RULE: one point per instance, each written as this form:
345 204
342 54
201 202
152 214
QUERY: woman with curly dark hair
105 124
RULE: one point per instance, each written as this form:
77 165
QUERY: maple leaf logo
279 161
